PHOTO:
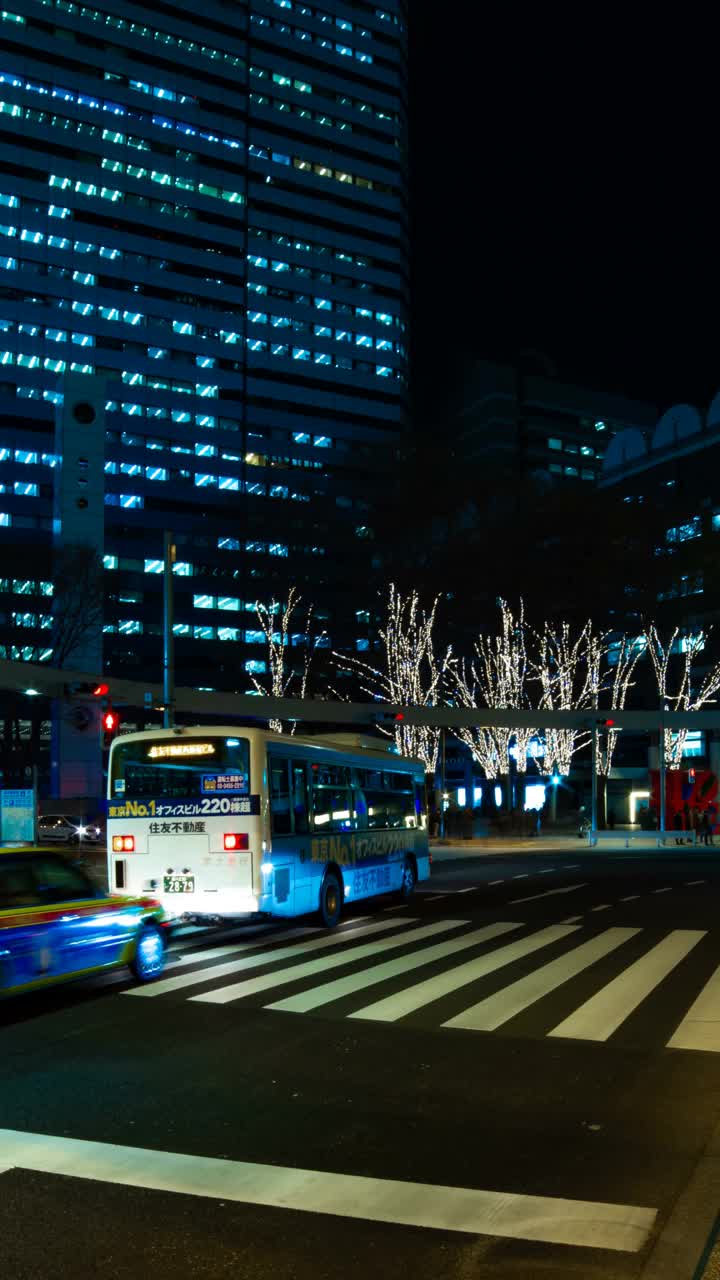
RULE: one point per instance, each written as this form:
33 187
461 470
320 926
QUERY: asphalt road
563 1125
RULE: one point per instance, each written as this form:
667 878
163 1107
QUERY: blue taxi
55 925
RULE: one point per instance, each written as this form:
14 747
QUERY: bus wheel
409 879
330 900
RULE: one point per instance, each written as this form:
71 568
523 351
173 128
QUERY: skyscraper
206 208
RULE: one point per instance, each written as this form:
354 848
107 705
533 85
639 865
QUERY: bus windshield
182 768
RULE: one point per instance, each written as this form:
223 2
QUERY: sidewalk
548 844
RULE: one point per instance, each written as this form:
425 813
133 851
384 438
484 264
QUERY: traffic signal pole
168 634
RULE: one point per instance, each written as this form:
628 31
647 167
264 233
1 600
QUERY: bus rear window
182 768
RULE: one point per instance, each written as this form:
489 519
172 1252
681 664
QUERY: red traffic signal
111 721
101 690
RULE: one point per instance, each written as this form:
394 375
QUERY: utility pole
661 772
593 781
168 634
442 781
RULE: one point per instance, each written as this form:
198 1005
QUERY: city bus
221 822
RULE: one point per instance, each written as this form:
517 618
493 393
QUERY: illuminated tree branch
496 678
410 672
282 679
686 697
568 670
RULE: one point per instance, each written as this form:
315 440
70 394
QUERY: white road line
624 1228
422 993
400 907
505 1004
492 882
546 871
329 991
604 1012
253 961
668 889
687 882
436 897
295 972
523 876
471 889
572 866
700 1028
604 906
632 897
547 894
216 953
571 920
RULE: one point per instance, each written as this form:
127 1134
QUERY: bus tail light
234 840
123 844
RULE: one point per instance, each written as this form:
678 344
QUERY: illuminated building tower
206 207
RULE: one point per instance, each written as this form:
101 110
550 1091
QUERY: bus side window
279 797
299 794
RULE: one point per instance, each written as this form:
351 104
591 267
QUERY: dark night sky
563 199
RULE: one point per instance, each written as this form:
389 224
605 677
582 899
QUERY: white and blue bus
222 822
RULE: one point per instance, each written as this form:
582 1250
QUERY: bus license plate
179 884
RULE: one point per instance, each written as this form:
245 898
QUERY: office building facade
206 208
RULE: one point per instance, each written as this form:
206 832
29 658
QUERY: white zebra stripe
403 1002
605 1011
505 1004
261 957
329 991
295 972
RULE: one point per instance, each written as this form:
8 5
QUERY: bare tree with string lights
410 672
567 668
679 687
496 677
283 679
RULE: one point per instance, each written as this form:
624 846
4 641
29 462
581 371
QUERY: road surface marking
294 973
471 889
700 1028
161 987
666 890
492 882
695 882
505 1004
605 1011
593 1224
546 871
400 907
632 897
381 973
572 866
547 894
216 953
571 920
604 906
436 897
524 875
403 1002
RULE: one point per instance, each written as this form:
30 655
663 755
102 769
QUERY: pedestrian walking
706 828
611 819
678 825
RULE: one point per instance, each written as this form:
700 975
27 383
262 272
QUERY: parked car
62 829
55 925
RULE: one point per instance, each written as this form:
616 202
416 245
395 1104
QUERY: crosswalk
565 981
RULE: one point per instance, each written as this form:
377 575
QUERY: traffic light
110 725
87 689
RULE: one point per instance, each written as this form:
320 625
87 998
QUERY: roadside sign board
17 815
